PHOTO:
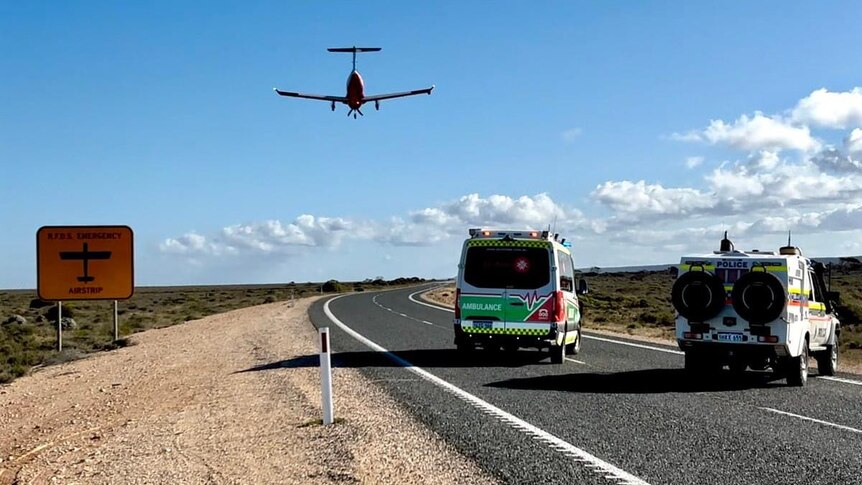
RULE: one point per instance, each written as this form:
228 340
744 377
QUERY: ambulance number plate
483 324
729 337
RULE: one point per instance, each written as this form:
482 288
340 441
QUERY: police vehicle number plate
729 337
480 324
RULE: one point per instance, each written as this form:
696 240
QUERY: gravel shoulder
231 398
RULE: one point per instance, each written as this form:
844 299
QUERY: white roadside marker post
325 375
116 322
59 326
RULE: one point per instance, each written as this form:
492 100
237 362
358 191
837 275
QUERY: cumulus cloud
853 142
421 227
759 132
692 162
571 135
844 219
833 160
642 199
830 109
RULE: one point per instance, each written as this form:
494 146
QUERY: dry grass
23 346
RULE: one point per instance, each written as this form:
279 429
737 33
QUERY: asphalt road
618 414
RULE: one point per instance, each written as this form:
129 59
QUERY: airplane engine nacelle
377 105
333 106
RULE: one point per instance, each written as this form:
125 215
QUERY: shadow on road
429 358
648 381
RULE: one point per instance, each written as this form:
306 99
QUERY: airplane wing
381 97
338 99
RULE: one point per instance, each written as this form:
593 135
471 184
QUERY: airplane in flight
355 97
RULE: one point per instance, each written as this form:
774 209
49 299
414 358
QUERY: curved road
618 412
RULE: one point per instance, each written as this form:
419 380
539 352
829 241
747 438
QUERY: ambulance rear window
521 268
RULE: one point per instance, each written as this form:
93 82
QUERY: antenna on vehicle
726 245
788 238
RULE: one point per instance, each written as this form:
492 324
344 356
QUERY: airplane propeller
353 112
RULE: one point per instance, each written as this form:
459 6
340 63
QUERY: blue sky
161 115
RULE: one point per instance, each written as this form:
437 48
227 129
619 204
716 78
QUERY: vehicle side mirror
833 296
583 289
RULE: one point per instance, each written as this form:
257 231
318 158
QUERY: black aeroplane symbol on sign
86 255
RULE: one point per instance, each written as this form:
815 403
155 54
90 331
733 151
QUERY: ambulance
516 289
755 309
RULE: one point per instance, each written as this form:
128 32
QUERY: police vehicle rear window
521 268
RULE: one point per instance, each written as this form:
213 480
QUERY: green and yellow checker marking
507 331
507 244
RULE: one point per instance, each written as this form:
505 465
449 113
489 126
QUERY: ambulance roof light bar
485 233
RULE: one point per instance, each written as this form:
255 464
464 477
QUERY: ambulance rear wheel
827 361
466 346
558 354
575 347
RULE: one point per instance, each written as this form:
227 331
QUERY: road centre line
374 300
591 462
630 344
818 421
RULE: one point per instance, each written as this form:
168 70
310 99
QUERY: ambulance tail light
458 304
559 307
692 336
768 339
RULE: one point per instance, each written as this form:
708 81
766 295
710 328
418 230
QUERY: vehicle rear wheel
465 346
737 365
827 361
558 354
797 368
575 347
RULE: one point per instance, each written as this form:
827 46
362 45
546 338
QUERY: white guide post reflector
325 375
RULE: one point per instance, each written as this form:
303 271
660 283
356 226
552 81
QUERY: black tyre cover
758 297
698 295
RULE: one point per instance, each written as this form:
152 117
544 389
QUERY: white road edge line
840 379
437 307
818 421
608 470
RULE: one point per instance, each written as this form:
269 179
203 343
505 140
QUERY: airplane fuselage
355 90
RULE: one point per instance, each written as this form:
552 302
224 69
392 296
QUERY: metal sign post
325 375
116 322
59 326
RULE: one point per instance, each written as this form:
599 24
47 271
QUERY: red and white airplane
355 88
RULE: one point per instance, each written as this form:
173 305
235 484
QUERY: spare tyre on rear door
698 295
758 297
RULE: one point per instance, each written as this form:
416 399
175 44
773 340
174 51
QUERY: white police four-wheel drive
517 289
755 309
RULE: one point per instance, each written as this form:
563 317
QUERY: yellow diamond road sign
85 263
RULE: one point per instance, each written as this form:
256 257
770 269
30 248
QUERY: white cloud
759 133
830 109
692 162
853 142
422 227
833 160
844 219
642 199
571 134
